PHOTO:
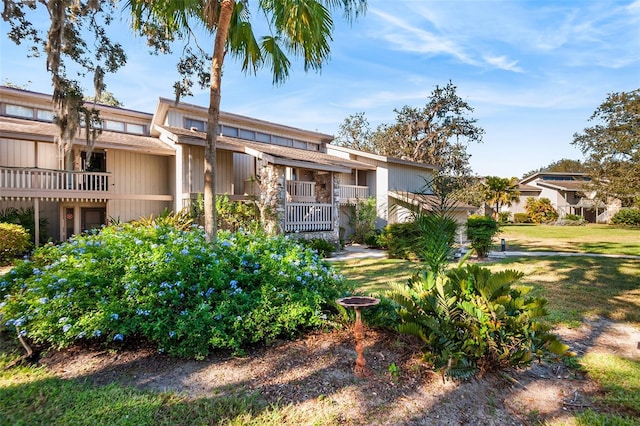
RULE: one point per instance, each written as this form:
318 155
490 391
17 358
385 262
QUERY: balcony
308 217
301 191
23 183
350 194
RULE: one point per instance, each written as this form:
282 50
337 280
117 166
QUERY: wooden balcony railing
16 180
301 191
351 193
308 217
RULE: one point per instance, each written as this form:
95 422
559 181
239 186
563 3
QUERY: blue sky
534 71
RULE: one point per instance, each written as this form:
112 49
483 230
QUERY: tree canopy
612 147
355 133
499 192
436 134
76 44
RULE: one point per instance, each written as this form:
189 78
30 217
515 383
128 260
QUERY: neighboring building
126 178
568 194
143 164
397 185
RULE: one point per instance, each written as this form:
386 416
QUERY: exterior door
93 217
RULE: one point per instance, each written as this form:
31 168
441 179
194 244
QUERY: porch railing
353 192
297 188
308 217
34 179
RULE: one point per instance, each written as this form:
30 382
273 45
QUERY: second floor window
198 125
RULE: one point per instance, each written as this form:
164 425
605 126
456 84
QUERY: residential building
568 194
142 164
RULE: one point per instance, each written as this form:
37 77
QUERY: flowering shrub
168 286
14 240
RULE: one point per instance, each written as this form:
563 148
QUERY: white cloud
503 63
405 37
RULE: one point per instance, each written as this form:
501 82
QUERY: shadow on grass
582 287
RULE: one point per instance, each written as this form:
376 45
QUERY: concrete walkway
357 251
504 254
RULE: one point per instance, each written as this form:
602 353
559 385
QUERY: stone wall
272 197
323 187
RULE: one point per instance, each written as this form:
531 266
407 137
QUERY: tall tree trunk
222 30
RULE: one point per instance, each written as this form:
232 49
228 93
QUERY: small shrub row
158 284
323 247
14 241
627 216
521 218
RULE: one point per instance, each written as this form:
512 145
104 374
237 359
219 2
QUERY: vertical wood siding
135 173
14 153
127 210
407 178
243 169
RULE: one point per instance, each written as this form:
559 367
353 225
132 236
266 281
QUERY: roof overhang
427 201
20 129
273 154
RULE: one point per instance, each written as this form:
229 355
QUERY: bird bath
358 303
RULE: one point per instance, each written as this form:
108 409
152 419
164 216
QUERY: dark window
263 137
247 134
190 123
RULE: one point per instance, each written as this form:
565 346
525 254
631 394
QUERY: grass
576 287
582 287
619 378
31 396
375 275
601 239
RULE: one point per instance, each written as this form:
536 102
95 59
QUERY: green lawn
576 287
605 239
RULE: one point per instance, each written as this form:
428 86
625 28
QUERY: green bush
540 210
362 219
372 238
504 217
170 288
400 240
472 320
230 215
571 220
320 245
627 216
521 218
14 241
26 218
480 232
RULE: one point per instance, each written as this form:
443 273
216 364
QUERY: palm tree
500 192
299 27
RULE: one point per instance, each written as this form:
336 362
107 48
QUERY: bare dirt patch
314 374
